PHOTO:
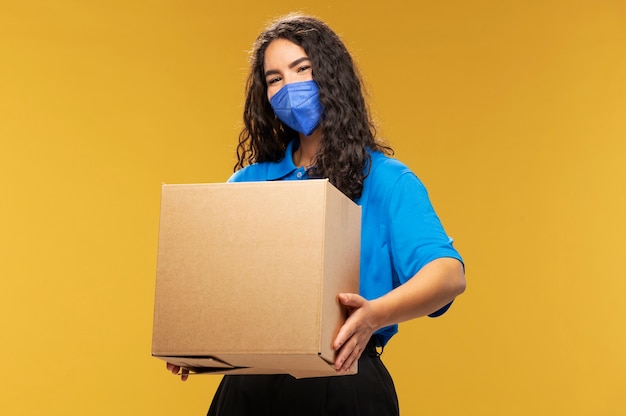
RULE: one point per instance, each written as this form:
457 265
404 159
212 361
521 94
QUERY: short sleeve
416 234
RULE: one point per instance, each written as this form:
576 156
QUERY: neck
307 152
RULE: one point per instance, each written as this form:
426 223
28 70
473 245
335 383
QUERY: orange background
512 113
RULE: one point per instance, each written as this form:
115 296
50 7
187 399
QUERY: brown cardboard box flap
297 365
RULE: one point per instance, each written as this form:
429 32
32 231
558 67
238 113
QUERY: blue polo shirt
400 231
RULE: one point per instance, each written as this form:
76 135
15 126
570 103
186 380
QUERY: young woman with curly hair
306 117
346 126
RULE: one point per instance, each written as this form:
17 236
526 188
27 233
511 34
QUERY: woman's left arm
433 287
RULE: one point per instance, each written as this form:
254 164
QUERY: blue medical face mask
297 105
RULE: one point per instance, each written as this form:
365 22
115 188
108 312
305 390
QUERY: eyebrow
291 65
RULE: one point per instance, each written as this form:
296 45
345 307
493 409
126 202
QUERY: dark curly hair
347 128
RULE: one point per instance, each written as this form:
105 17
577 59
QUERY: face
285 62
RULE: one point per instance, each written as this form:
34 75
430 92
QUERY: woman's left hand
355 332
433 287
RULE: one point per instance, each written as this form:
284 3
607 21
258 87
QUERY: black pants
370 392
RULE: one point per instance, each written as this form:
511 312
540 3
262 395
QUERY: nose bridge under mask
294 94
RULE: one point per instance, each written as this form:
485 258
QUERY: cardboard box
248 276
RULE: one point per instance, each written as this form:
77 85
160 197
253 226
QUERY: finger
342 337
345 353
347 330
351 300
185 375
354 356
172 368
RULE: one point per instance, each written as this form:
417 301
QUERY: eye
272 80
304 68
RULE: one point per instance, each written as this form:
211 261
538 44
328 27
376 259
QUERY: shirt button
299 175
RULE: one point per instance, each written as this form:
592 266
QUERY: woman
305 117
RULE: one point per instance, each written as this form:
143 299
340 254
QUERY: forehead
281 52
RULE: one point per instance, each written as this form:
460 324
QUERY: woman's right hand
174 369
